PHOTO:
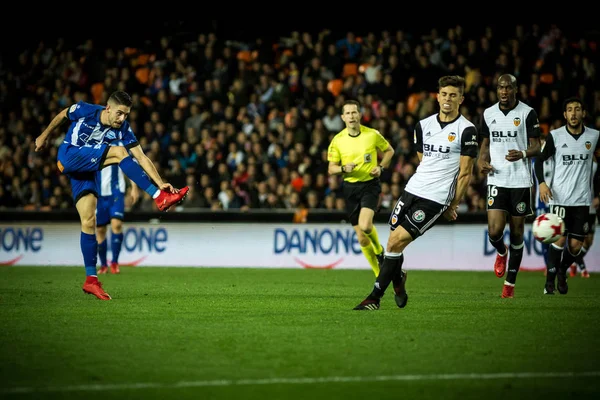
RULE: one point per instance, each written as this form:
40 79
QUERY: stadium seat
335 86
145 100
547 78
97 90
143 59
130 51
413 102
244 55
350 69
143 75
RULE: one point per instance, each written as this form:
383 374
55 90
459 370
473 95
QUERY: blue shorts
110 207
80 165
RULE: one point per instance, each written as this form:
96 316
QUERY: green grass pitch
236 333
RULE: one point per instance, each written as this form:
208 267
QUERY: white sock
155 195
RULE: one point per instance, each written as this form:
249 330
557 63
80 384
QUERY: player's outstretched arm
59 119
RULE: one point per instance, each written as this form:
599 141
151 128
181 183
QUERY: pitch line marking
299 381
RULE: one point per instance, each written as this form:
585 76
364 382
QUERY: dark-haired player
85 150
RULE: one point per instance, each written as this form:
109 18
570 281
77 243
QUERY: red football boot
114 268
166 200
500 264
95 288
508 291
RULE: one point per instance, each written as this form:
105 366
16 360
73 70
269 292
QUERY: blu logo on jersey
501 134
438 149
575 157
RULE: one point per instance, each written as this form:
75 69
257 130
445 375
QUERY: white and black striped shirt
509 130
572 178
442 144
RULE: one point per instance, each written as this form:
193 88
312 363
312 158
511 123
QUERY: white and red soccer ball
548 228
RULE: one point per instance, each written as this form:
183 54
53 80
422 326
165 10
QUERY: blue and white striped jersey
111 181
86 129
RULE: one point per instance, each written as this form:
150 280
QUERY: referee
353 153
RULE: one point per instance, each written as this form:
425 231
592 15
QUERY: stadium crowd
247 124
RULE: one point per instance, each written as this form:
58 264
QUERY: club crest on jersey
418 216
490 201
368 158
588 145
394 219
517 121
521 207
451 136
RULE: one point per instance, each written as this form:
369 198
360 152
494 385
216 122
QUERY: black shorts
576 218
415 214
361 195
515 201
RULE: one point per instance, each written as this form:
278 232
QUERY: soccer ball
548 228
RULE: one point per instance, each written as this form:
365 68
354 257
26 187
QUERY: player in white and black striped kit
593 221
447 147
573 147
510 134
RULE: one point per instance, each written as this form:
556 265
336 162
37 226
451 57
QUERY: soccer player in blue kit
87 149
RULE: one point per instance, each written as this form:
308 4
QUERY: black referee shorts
359 195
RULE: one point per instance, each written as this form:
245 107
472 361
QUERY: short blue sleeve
81 109
129 139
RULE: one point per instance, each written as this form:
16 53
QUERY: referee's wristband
381 166
524 153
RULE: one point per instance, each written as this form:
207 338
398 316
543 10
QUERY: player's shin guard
371 258
568 258
514 262
89 250
102 250
392 264
134 172
554 257
579 258
498 244
374 238
116 241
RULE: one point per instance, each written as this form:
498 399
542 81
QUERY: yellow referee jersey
360 150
